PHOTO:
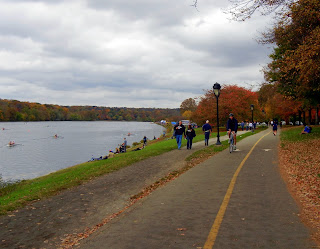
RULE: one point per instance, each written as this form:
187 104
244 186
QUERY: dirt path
46 223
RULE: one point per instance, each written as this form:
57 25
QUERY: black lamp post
216 91
252 107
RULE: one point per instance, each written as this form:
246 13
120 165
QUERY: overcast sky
125 53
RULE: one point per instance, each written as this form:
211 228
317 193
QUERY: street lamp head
216 89
251 107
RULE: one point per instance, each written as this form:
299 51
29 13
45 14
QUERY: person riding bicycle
232 126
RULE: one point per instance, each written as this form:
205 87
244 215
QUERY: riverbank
19 194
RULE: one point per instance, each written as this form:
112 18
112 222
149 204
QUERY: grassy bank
19 194
299 163
292 134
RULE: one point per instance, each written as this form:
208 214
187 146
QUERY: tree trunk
310 116
299 118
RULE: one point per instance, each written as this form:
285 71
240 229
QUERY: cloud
137 53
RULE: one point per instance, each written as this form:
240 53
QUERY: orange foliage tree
233 99
276 105
296 64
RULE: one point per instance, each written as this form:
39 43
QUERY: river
37 152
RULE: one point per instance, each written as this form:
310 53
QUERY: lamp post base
218 141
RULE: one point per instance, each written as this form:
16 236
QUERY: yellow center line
216 225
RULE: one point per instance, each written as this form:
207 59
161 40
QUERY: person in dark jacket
206 129
232 126
274 128
145 141
190 134
179 130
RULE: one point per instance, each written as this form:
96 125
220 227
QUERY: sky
125 53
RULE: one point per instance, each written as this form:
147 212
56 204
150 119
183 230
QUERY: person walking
124 145
190 134
242 125
250 126
179 130
274 127
206 129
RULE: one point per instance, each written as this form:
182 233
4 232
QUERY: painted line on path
216 225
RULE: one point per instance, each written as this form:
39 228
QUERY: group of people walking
248 125
179 131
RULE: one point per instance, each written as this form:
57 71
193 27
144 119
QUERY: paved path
260 214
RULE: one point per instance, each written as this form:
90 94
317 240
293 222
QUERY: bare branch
195 4
242 10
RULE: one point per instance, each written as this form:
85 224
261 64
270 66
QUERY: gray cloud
137 53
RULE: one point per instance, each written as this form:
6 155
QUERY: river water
37 152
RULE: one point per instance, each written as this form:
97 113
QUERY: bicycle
231 141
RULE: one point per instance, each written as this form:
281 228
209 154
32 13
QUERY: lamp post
252 107
216 91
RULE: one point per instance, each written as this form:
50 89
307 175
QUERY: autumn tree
188 105
187 115
276 105
296 62
233 99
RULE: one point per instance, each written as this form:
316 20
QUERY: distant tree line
13 110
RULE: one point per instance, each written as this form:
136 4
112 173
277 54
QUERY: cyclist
232 126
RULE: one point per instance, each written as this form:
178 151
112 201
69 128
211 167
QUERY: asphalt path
236 200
